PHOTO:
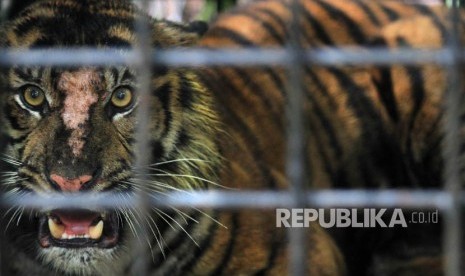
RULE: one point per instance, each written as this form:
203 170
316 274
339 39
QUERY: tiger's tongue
76 222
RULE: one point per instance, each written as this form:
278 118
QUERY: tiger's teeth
55 229
95 232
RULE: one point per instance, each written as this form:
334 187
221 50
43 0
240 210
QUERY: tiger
74 130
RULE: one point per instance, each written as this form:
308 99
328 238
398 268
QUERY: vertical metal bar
452 226
143 49
296 142
3 15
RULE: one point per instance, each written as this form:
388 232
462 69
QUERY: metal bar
244 57
4 5
140 264
452 240
296 142
246 200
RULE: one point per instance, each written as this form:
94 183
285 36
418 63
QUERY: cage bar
140 250
237 200
296 142
452 239
237 57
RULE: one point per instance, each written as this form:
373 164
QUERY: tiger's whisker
175 221
18 209
158 239
184 215
165 173
178 160
159 184
210 217
10 160
139 223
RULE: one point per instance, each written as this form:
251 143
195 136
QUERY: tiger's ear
168 33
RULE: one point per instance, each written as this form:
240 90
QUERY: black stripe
72 28
431 157
384 86
371 15
14 123
119 186
24 75
425 10
390 13
277 81
418 93
123 166
115 75
325 123
130 140
186 93
183 139
220 32
180 238
115 42
40 73
163 93
21 150
339 177
274 249
361 104
373 133
268 27
203 246
352 27
18 140
386 94
230 247
318 28
277 19
320 141
320 87
159 70
257 90
158 151
29 168
254 146
127 75
253 86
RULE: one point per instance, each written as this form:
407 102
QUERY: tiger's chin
80 261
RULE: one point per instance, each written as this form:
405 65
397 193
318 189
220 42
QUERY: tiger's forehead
48 78
81 92
73 23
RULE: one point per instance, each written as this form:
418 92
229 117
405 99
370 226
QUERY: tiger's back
345 106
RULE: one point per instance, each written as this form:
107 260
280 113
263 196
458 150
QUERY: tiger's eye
33 96
122 97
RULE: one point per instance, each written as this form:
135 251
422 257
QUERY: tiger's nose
70 185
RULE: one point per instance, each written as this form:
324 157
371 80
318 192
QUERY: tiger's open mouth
77 228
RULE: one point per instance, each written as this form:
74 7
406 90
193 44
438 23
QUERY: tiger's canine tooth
95 232
55 229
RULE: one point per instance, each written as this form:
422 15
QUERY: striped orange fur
214 128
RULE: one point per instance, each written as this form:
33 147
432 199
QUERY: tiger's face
72 130
76 129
